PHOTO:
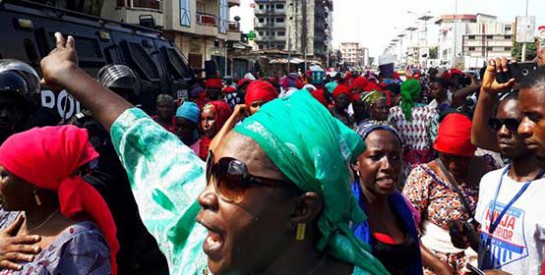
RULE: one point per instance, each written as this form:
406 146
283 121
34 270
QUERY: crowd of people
356 173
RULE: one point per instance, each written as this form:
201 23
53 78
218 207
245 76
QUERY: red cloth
48 158
396 76
341 89
260 90
359 83
223 111
169 127
243 81
319 95
454 136
213 83
229 90
456 71
372 86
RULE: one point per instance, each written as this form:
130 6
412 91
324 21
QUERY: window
471 37
280 6
489 37
508 28
261 20
507 49
261 7
281 33
508 36
280 20
260 33
471 49
489 48
185 13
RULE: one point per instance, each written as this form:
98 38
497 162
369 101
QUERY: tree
531 50
434 52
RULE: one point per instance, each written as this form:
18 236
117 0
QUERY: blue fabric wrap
400 207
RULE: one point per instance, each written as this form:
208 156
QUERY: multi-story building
295 25
270 24
354 54
488 40
200 28
476 36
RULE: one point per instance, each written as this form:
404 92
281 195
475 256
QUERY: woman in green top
274 197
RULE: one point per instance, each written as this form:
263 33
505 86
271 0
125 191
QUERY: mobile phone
521 70
517 70
474 269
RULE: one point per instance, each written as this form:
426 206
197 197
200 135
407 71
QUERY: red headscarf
229 90
213 83
318 94
359 83
243 81
260 90
454 136
372 86
341 89
223 111
48 159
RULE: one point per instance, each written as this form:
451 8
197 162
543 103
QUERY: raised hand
61 59
489 83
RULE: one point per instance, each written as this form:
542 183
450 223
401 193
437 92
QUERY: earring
301 228
37 198
358 172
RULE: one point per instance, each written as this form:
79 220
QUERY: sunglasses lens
511 124
230 180
494 124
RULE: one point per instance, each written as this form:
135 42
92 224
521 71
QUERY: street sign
525 29
251 36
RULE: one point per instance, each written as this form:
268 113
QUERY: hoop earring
301 228
37 198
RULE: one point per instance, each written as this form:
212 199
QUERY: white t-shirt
517 242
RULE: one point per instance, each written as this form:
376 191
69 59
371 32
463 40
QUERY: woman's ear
308 207
356 165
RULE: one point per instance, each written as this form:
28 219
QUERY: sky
375 23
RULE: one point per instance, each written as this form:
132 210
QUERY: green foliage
434 52
531 50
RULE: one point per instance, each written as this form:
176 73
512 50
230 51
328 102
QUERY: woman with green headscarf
417 124
274 196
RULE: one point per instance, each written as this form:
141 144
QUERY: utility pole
304 32
523 55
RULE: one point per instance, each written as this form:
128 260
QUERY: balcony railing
141 4
207 19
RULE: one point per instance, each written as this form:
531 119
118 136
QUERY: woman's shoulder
83 250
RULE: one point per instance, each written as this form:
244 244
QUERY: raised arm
459 97
481 135
60 69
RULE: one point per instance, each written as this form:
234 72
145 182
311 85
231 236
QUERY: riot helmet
120 79
19 79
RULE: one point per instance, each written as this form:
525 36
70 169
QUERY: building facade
300 26
353 54
466 36
200 28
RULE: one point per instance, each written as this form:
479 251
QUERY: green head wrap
314 150
410 92
330 87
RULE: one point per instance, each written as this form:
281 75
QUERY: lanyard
494 224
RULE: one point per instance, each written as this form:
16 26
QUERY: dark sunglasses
510 123
231 178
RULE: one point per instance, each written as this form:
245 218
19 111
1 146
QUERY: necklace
44 222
